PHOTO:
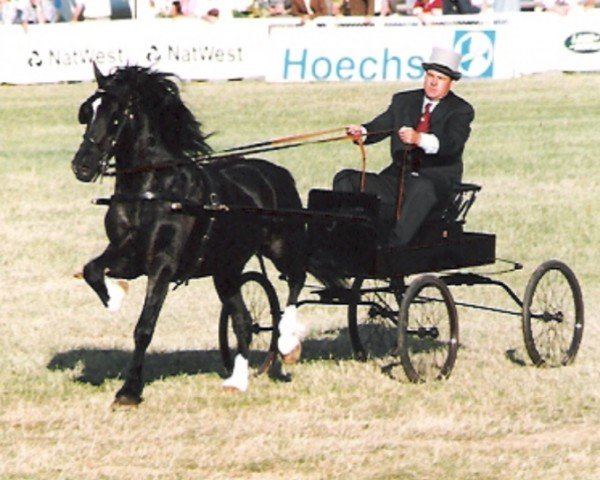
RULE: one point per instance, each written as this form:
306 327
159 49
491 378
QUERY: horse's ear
100 79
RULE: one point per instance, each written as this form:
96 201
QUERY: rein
281 143
286 139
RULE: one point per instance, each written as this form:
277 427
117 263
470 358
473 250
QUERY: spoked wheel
373 318
428 330
262 303
552 315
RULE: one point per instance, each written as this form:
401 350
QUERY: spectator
279 7
28 12
459 7
561 7
387 7
161 8
425 9
92 10
310 8
8 12
359 7
209 10
337 7
507 5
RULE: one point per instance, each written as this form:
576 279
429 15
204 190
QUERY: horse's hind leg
228 289
289 256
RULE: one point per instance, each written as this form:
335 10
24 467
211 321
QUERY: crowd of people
43 11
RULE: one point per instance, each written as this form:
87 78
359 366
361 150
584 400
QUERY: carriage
416 323
179 212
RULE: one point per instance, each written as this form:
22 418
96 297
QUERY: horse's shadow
95 366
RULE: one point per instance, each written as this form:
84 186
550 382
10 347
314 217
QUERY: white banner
330 49
192 49
550 42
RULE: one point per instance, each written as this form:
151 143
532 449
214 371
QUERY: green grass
534 150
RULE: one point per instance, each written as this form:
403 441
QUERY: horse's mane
157 94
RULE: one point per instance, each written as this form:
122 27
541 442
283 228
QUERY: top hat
444 61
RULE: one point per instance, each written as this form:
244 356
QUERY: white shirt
428 141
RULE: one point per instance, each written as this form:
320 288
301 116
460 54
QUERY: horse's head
137 116
105 115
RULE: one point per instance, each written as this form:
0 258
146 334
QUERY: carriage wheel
428 330
262 303
372 318
552 315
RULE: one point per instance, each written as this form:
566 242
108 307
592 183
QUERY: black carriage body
346 229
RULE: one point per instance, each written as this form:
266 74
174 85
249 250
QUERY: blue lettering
288 62
345 64
362 68
386 60
299 64
415 65
315 65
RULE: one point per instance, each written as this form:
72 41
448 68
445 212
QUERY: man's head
440 72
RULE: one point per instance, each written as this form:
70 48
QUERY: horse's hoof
293 356
231 389
127 401
117 289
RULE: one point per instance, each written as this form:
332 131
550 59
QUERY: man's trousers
419 198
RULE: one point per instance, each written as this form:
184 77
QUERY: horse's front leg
228 289
110 292
156 292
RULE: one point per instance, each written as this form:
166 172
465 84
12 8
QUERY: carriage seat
447 219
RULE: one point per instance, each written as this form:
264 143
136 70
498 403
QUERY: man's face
436 84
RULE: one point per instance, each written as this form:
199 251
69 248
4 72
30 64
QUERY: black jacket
450 123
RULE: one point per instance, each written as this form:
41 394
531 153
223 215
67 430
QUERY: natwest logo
583 42
68 58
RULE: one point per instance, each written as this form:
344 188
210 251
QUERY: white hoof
291 332
286 344
238 382
116 293
289 324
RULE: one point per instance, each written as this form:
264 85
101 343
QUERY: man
426 148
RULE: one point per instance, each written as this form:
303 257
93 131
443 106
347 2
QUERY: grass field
533 148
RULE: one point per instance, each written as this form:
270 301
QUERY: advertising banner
550 42
377 53
284 50
190 48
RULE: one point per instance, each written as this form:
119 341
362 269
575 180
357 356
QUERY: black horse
137 118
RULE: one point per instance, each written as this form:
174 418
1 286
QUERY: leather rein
281 143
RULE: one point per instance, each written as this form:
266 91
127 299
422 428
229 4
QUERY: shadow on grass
98 365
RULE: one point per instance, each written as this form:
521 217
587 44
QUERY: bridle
107 155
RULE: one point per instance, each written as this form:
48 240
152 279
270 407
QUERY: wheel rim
373 319
261 301
553 318
428 334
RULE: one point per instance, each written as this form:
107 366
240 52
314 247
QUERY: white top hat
444 61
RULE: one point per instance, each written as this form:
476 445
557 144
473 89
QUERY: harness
213 207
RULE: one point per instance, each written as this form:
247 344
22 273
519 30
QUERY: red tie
423 125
